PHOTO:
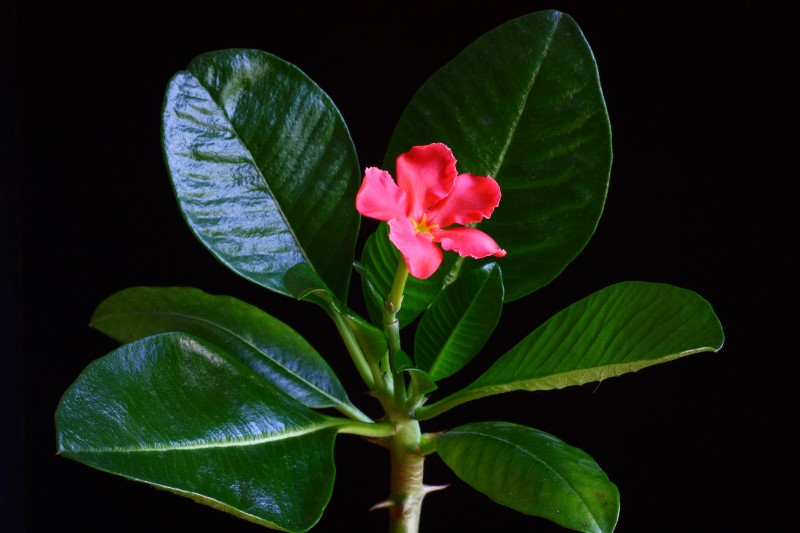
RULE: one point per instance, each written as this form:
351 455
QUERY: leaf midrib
521 108
244 341
269 191
535 458
247 441
451 339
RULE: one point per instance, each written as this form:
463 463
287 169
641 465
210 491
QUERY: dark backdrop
699 100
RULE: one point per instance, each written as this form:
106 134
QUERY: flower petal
426 174
422 256
379 197
472 199
468 242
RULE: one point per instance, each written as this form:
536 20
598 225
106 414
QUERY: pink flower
430 196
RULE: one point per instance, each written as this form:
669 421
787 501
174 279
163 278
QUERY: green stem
391 328
354 413
365 370
371 430
393 336
406 455
426 412
395 299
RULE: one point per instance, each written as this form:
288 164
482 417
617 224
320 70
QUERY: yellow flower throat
422 226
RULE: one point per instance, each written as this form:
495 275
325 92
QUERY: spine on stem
407 490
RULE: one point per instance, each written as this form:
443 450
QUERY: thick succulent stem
407 459
407 489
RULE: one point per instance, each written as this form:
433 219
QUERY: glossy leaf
379 261
459 322
183 415
622 328
523 104
263 167
534 473
262 342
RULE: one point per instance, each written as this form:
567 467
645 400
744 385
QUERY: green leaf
304 284
523 104
532 472
403 362
459 322
266 345
622 328
379 262
263 167
183 415
420 386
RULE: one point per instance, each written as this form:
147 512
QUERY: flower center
422 226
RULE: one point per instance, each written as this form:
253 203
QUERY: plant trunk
407 489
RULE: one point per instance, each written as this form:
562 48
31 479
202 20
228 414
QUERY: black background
701 104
